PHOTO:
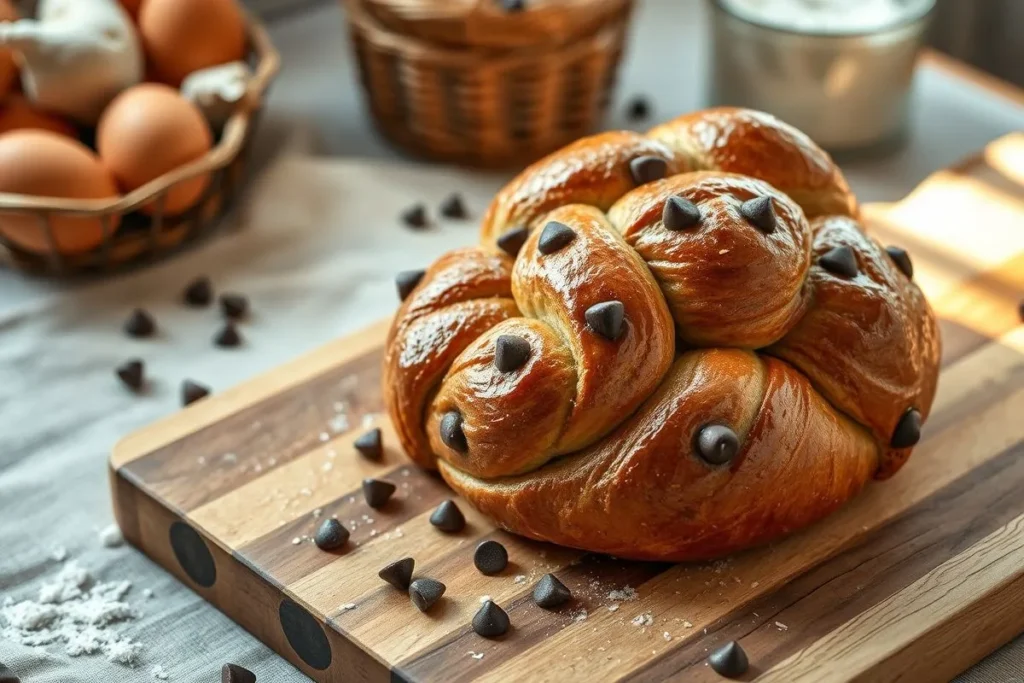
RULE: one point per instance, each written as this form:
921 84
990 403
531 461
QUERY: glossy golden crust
712 275
673 367
642 494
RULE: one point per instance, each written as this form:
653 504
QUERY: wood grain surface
916 579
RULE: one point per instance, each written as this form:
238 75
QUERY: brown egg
17 114
8 69
45 164
131 7
149 130
182 36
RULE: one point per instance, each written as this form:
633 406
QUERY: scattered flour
159 673
77 611
59 553
476 655
644 620
520 578
111 537
667 636
579 616
627 594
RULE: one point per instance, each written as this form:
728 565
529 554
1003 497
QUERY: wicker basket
483 106
141 236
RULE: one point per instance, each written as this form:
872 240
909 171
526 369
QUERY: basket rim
232 139
415 20
474 57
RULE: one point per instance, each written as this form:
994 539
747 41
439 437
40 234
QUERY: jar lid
499 24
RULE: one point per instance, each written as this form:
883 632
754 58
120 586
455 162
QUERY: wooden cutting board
916 579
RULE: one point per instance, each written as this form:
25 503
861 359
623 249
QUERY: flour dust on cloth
315 249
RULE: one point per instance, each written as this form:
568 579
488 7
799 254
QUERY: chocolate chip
399 573
199 292
908 430
550 593
234 306
139 324
555 236
839 261
228 337
331 535
377 492
679 214
490 621
510 352
452 434
415 216
638 109
729 660
192 392
902 260
448 517
131 373
407 280
369 445
606 318
490 557
232 673
452 207
513 5
760 212
717 444
425 592
7 676
647 169
511 241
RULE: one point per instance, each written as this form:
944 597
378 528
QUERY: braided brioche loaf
668 346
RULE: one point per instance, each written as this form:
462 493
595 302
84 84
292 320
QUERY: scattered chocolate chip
717 444
415 216
638 109
448 517
232 673
139 324
490 621
192 392
554 236
680 214
199 292
369 445
398 574
234 306
453 207
908 430
452 434
729 660
606 319
377 492
407 280
511 241
513 5
228 337
331 535
839 261
7 676
902 260
550 593
425 592
647 169
510 352
760 212
490 557
132 374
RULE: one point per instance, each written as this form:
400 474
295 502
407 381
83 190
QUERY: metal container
847 91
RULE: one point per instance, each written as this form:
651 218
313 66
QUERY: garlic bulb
76 56
218 90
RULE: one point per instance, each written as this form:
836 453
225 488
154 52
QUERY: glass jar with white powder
840 70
